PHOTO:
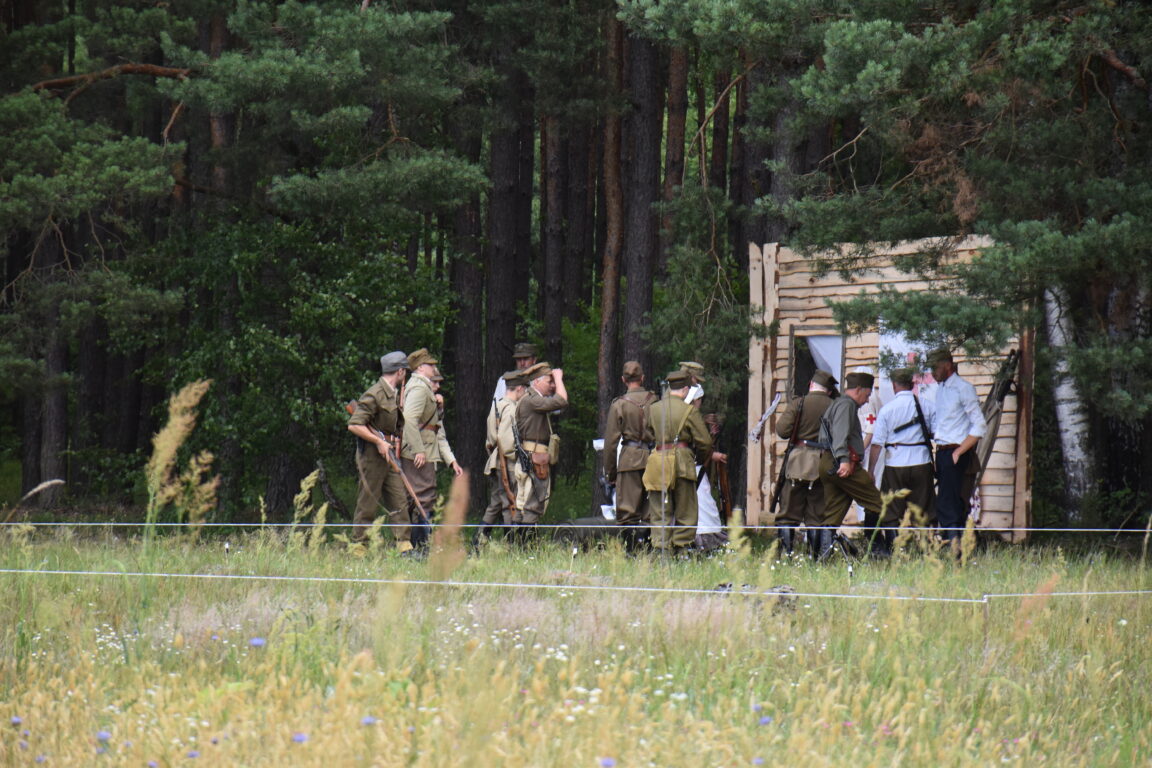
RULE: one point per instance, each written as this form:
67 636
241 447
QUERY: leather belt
811 444
947 446
635 443
670 446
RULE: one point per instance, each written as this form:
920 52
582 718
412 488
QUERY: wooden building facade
794 300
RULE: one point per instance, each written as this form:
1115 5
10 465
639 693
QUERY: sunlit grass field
593 665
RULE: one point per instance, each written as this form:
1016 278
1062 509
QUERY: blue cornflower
757 761
103 735
607 762
766 720
257 642
757 707
299 738
193 754
368 720
16 720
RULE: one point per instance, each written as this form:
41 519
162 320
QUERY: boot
812 536
880 547
787 543
824 550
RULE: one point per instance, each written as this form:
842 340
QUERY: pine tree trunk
607 364
554 182
641 249
1071 417
54 434
579 241
504 267
674 147
718 158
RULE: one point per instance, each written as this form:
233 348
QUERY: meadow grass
578 671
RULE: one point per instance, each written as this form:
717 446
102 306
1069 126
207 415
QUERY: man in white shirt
959 426
904 430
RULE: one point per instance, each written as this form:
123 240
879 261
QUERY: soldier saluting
546 394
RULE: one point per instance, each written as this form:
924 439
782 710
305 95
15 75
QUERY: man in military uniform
500 442
681 440
694 370
524 356
378 422
425 443
546 394
904 431
844 479
625 425
802 496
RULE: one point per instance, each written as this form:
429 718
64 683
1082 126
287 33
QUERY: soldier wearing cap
546 394
378 423
524 356
626 454
694 370
500 442
845 480
959 426
680 441
425 443
904 432
802 497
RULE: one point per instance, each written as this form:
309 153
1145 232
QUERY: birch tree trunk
1071 417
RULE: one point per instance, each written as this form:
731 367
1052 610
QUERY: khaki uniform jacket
532 416
499 440
626 421
840 429
803 461
379 409
427 434
663 417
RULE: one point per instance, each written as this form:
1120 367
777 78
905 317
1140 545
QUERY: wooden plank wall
791 294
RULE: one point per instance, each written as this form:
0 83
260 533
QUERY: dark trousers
951 506
919 482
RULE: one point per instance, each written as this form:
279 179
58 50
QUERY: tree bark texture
1071 416
674 145
554 182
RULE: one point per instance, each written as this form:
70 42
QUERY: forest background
271 195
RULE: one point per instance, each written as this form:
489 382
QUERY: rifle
350 406
522 456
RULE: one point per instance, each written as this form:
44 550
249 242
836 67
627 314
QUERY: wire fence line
606 526
747 591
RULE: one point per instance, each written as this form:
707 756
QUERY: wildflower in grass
103 735
41 758
766 720
757 707
607 762
368 720
257 642
299 738
16 720
193 754
757 761
22 744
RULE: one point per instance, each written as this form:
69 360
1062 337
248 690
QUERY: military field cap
514 378
421 357
533 372
692 368
393 361
524 349
633 371
824 379
678 379
859 379
940 355
902 376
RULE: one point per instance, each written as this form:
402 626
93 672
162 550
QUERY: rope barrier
556 526
982 600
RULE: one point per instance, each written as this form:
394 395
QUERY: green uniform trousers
801 502
499 505
380 485
920 482
532 495
674 516
631 501
423 481
840 492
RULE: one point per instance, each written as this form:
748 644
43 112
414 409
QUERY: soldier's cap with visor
393 361
533 372
695 369
524 349
940 355
859 379
633 371
903 377
514 379
421 357
678 379
824 379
